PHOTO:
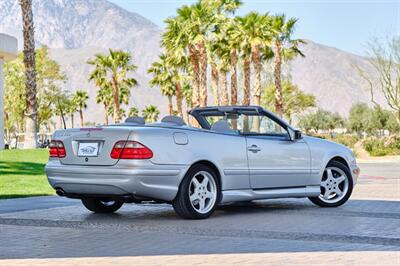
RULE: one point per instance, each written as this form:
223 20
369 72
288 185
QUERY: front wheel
101 205
336 186
198 193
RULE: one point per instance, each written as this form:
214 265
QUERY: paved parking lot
365 231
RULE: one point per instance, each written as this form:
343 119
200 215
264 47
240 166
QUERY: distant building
8 51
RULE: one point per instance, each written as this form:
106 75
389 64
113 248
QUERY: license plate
88 149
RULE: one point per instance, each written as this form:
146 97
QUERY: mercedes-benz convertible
237 154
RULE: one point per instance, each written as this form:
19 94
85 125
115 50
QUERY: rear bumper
138 178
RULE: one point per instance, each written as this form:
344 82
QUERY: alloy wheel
334 185
202 192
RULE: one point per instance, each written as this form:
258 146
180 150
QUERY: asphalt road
365 231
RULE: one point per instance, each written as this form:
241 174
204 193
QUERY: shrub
382 146
346 139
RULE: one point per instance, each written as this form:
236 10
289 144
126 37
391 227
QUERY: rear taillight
130 150
57 149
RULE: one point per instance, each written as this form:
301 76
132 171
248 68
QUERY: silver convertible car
238 153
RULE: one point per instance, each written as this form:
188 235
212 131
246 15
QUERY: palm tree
133 111
239 35
117 65
187 95
30 140
163 78
175 40
188 31
72 108
123 97
104 96
222 50
284 48
150 113
80 98
253 35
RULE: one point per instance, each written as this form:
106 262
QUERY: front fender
322 152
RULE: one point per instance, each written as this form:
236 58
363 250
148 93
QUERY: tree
48 79
104 96
80 99
117 65
187 95
296 101
321 120
62 104
384 57
30 140
163 78
133 112
284 48
14 98
150 113
222 50
373 121
72 108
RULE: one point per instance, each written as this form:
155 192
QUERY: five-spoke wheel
198 193
336 186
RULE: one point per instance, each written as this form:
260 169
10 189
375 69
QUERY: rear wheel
102 205
198 193
336 186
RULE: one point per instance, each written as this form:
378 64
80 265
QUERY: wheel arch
339 159
212 166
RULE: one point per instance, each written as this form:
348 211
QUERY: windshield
246 123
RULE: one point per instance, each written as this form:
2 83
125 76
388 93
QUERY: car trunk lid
91 146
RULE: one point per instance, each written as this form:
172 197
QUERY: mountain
332 76
75 30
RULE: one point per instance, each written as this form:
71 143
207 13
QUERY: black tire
181 203
317 201
99 206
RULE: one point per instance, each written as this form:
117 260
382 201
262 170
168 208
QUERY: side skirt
249 194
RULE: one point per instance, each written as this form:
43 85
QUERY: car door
274 160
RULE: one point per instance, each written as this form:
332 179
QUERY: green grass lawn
22 173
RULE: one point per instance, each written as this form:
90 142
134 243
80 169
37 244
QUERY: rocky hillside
77 29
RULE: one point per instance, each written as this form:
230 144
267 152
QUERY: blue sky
346 25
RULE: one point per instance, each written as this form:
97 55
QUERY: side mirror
294 134
298 134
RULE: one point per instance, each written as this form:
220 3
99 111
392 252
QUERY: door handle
254 148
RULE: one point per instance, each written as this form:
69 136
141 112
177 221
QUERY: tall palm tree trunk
224 89
194 60
72 120
178 92
203 74
255 55
246 87
116 99
81 116
30 140
233 70
170 106
278 81
106 114
215 81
